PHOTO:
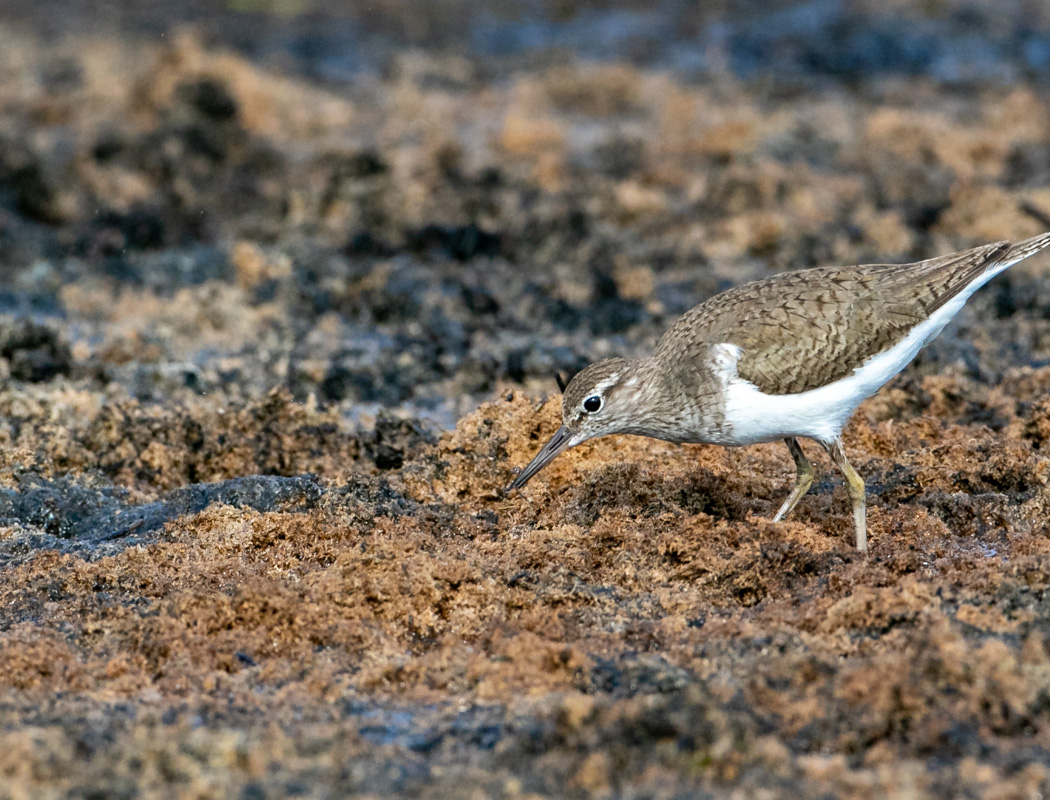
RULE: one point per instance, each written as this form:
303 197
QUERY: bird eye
592 404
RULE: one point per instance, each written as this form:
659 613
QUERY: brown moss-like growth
645 577
271 347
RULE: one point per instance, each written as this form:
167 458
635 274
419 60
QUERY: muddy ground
283 289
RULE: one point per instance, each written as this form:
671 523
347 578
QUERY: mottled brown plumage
785 357
801 330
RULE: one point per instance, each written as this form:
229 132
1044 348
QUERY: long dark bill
558 444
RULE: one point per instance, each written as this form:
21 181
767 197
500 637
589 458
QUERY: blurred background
257 258
953 40
406 205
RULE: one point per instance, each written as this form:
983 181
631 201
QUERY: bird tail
1010 254
1021 250
966 272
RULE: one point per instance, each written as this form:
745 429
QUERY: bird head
611 396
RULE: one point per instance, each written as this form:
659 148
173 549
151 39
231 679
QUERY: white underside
821 414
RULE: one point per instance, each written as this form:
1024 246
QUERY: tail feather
1010 255
964 273
1021 250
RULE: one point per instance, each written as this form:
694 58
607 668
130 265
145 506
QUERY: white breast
821 414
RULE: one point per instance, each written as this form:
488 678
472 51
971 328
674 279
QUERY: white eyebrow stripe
601 386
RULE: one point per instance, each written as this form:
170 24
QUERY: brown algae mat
271 346
632 623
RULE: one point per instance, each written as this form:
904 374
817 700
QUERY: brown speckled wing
801 330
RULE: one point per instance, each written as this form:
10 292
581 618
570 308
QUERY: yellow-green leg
855 490
803 478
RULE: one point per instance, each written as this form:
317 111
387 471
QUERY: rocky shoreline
275 327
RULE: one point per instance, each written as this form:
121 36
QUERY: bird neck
648 400
682 401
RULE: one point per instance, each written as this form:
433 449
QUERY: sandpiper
787 357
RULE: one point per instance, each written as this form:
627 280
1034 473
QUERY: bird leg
803 478
855 490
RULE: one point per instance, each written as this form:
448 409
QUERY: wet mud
278 322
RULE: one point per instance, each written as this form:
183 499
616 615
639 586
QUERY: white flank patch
822 413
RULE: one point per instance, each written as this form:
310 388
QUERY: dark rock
211 97
611 313
88 518
38 195
462 243
394 440
114 232
34 352
108 146
633 674
365 164
365 244
478 301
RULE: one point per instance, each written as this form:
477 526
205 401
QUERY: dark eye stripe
592 404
